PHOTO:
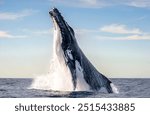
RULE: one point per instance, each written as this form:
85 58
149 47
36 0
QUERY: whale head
66 32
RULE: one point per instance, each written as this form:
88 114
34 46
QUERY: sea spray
58 79
54 80
114 88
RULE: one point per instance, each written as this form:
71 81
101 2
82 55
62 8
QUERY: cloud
93 3
82 31
41 32
27 33
137 37
120 29
5 34
137 3
113 32
140 18
130 37
102 3
126 32
16 15
82 3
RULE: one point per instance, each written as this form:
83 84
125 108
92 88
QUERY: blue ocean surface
128 88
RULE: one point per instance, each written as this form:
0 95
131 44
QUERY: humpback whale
72 60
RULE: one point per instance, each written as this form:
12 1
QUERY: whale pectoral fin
95 79
70 62
106 83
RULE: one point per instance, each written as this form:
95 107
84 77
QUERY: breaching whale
71 58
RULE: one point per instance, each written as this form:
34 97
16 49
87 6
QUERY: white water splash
54 80
114 88
60 79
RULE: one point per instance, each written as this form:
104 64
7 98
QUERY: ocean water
128 88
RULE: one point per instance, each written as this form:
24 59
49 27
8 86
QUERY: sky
113 34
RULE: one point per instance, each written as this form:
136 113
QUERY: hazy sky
114 34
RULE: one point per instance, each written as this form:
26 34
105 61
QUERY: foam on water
114 88
129 88
60 79
54 80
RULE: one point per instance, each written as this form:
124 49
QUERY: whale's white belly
63 77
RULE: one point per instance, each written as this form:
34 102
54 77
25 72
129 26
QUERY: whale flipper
95 79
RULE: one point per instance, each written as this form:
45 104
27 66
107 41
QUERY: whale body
72 62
